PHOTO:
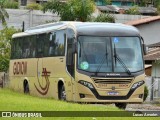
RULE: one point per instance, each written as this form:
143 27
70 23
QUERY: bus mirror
145 49
74 47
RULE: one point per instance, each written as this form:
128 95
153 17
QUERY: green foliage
133 11
34 6
156 3
145 93
72 10
3 12
143 3
15 101
11 4
103 17
5 46
158 9
108 2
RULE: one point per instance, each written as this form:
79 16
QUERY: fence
4 80
153 85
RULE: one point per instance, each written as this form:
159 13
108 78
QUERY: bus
79 62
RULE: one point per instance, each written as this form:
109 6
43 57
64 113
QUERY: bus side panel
56 68
20 70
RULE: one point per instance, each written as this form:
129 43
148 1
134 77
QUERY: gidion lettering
20 68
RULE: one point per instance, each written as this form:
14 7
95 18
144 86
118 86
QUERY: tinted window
16 48
29 45
40 45
57 43
24 47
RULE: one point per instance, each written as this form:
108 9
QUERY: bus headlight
137 84
87 84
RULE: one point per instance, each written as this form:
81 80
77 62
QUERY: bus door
70 62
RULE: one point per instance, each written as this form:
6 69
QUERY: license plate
113 93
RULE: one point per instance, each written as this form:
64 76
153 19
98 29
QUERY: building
98 2
153 82
149 28
116 2
25 2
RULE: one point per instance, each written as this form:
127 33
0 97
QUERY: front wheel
62 94
121 105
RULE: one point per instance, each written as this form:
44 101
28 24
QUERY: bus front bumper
88 93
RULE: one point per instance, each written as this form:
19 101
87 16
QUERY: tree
108 2
5 46
3 12
71 10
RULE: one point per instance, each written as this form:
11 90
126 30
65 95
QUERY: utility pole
152 81
23 26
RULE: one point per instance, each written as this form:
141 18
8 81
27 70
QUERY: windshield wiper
102 62
120 61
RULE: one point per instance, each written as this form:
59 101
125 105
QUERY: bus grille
112 81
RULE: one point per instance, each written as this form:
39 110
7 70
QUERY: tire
26 88
62 93
121 105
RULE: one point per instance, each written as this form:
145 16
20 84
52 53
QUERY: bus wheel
121 105
26 87
62 93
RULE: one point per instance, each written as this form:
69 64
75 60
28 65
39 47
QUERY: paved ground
142 107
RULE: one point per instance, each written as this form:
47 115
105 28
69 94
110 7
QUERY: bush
133 11
104 18
145 93
11 4
34 6
5 46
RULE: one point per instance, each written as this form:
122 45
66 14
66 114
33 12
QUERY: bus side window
26 49
16 48
40 45
33 46
57 43
46 45
52 38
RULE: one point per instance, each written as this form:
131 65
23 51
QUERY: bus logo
43 90
20 68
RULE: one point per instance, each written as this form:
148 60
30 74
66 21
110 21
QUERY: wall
156 68
150 32
31 1
122 18
36 17
30 17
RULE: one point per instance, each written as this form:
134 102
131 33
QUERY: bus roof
84 28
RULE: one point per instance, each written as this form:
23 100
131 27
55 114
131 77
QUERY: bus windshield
109 54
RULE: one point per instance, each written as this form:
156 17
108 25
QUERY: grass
13 101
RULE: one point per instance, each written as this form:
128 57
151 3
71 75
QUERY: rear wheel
62 93
26 87
121 105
